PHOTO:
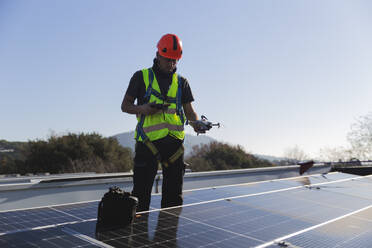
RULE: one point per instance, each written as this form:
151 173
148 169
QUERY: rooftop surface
263 208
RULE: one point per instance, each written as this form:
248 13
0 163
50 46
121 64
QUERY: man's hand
202 125
198 127
129 107
148 109
192 117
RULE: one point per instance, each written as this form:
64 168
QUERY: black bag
117 209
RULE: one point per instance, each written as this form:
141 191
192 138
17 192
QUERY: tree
221 156
335 154
360 137
295 154
12 157
360 143
78 153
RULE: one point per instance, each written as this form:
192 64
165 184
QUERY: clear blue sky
275 73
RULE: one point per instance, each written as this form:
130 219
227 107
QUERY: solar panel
51 237
292 211
57 215
15 221
354 230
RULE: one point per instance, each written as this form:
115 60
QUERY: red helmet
170 46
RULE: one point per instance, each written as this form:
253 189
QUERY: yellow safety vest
170 121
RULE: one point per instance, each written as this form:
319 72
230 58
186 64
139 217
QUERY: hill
271 158
12 150
127 140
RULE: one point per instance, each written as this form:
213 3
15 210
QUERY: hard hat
170 46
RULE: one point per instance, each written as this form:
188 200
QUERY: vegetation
293 155
360 137
12 150
360 143
92 153
12 156
221 156
67 154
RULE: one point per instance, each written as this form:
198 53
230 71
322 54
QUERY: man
163 101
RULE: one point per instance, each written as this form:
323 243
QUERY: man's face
166 65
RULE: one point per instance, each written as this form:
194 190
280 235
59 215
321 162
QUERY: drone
204 125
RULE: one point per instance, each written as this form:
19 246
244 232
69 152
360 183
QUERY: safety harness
140 132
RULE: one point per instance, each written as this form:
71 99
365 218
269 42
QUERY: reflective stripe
167 111
163 126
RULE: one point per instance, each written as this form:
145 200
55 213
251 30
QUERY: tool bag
117 209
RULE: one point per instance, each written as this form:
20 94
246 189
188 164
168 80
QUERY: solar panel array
332 210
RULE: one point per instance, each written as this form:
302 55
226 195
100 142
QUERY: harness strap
158 95
139 129
153 149
171 99
179 100
157 155
175 156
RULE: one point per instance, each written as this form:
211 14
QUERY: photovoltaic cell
262 214
44 238
31 218
83 211
352 231
19 220
172 230
354 188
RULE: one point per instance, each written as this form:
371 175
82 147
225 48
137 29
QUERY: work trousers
145 170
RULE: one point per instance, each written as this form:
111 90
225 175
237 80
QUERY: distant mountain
127 140
193 140
270 158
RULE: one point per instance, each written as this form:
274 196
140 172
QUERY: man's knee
171 200
143 178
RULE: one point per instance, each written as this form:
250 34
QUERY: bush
78 153
221 156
